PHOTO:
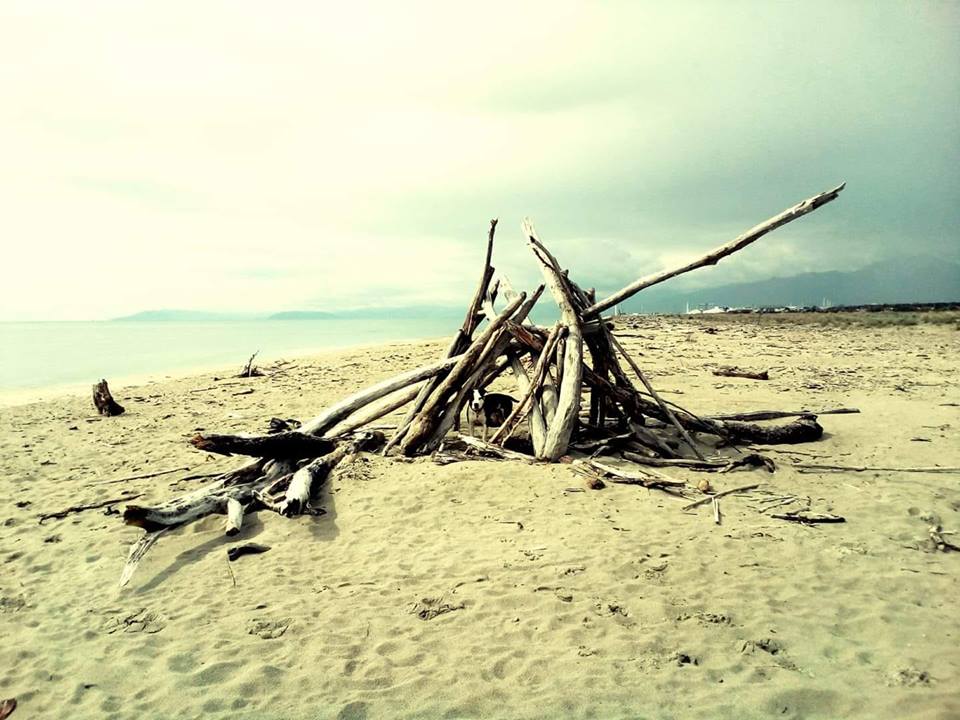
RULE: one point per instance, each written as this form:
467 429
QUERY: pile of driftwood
580 395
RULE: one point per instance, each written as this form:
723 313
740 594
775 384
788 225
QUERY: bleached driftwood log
235 510
372 413
568 401
343 409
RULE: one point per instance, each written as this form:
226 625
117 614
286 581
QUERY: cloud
224 156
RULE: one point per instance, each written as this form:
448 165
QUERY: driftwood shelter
580 396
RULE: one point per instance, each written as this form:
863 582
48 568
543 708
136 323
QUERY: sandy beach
488 589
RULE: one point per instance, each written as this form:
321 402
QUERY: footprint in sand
143 620
774 648
268 629
909 677
10 604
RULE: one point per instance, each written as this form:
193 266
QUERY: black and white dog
489 409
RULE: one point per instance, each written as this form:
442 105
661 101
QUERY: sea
68 356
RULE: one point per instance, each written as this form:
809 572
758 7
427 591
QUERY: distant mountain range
403 313
904 280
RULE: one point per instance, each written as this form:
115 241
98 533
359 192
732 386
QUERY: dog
490 409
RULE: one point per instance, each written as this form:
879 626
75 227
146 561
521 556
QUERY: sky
241 156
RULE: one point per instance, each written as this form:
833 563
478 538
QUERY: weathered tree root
104 402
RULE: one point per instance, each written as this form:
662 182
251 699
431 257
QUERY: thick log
290 444
568 401
104 402
183 510
717 254
208 500
804 429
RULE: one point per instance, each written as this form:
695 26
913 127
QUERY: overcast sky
266 156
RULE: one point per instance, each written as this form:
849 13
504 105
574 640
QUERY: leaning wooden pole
459 343
717 254
568 402
653 393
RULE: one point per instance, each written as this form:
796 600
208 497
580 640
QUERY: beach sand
553 603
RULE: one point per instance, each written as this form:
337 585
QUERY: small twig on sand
809 518
727 371
710 498
716 510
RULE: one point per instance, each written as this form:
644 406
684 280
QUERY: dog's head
476 401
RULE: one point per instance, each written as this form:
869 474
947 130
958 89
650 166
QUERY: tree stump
104 401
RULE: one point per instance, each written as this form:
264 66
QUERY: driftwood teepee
553 369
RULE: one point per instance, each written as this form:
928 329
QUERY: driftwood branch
459 343
529 398
777 414
653 393
343 409
290 444
714 496
717 254
727 371
804 429
568 400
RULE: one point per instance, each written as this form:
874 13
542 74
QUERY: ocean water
35 355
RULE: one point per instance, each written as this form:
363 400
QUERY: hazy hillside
918 279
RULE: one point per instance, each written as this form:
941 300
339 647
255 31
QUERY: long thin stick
92 506
644 477
457 345
653 393
710 498
868 468
717 254
144 476
777 414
